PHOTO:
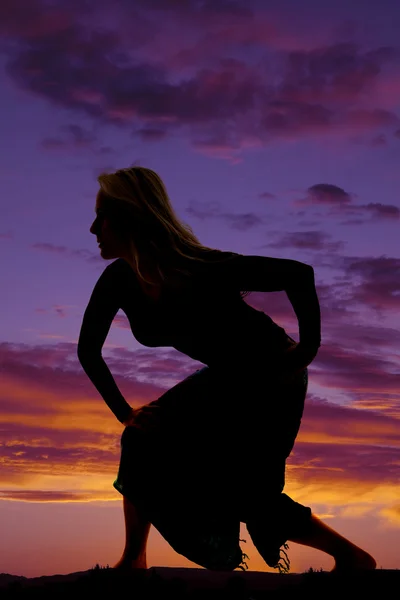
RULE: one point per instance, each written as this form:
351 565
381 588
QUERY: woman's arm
303 297
98 317
264 274
102 379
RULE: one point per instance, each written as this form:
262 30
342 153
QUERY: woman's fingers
145 417
297 358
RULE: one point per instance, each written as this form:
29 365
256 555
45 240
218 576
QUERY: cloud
392 513
340 203
379 140
237 221
364 467
57 431
377 281
151 134
385 211
54 496
79 138
307 240
82 254
267 195
338 73
353 429
117 79
327 193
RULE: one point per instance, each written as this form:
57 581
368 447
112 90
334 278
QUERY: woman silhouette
238 416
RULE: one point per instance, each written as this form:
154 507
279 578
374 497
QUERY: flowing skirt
214 458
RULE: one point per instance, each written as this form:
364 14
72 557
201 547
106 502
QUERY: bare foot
357 560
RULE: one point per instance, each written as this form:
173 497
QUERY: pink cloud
42 387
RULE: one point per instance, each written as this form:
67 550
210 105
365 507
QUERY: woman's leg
317 534
347 555
137 529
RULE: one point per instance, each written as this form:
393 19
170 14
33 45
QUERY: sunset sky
275 126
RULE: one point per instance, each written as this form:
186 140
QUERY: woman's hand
130 420
295 359
144 417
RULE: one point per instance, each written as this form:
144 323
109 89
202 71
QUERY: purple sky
276 129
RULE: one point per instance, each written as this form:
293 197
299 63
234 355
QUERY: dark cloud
56 367
116 78
267 195
327 193
338 72
81 254
243 221
33 19
371 119
151 135
379 140
349 425
340 204
230 7
357 377
282 118
75 137
377 281
319 85
315 241
384 211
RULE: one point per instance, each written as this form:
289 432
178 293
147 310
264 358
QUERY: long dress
215 453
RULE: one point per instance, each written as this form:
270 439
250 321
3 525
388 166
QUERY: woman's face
111 245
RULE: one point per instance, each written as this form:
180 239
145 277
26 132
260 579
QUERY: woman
238 416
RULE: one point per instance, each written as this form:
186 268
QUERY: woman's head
136 221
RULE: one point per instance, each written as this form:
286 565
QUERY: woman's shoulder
114 272
216 255
115 267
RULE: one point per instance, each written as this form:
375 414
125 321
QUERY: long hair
139 208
